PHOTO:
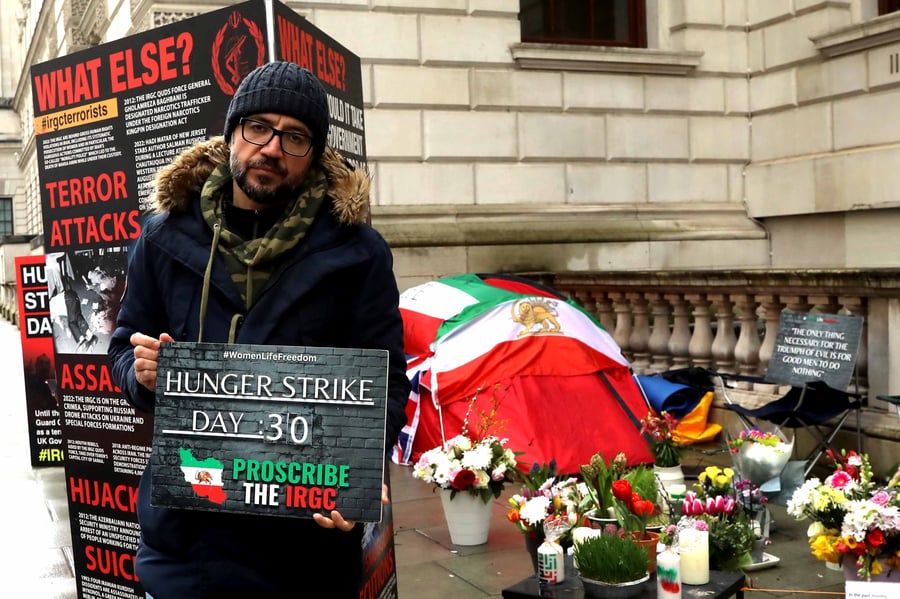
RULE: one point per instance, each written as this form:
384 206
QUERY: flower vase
531 545
648 541
602 523
852 577
468 517
670 476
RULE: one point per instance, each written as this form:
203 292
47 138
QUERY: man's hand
337 521
146 352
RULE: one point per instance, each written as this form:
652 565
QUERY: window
6 216
886 6
589 22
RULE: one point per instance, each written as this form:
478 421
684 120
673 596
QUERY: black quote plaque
815 347
270 430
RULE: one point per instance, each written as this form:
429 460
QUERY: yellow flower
823 548
875 568
718 478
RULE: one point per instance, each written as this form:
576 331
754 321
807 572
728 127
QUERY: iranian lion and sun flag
561 387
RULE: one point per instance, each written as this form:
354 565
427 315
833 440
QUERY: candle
668 575
677 492
551 563
693 547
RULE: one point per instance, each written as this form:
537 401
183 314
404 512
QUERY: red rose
875 538
622 490
463 480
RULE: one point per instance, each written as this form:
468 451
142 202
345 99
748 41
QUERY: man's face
266 175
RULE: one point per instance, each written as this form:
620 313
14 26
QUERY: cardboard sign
270 430
815 347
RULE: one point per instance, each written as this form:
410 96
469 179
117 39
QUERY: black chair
816 355
814 406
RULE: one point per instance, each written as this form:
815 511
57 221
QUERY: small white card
862 589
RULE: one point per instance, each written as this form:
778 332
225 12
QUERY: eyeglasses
294 143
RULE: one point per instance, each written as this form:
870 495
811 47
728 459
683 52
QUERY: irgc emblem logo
537 315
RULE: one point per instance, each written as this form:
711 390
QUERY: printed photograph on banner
85 288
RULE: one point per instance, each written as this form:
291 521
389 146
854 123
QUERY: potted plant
632 513
667 450
598 476
715 501
611 565
470 469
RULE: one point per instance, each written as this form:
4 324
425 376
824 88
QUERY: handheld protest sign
270 430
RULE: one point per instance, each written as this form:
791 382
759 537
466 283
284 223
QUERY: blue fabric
674 398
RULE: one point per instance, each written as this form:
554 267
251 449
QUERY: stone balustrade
727 321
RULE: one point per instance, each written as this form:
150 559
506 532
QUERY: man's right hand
146 352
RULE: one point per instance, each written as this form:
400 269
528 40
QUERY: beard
261 193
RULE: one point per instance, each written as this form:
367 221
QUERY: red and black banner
44 418
106 120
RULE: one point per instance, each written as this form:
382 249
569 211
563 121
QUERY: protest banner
106 119
43 411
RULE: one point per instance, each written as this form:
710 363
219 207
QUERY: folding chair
817 400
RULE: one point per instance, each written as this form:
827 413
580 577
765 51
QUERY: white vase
468 518
671 478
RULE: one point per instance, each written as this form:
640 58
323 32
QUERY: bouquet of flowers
478 464
546 495
853 517
660 430
480 467
760 455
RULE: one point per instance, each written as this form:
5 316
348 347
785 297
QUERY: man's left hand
338 521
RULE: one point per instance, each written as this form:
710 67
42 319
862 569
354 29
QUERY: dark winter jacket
335 289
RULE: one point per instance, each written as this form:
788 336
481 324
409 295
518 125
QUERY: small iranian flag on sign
204 476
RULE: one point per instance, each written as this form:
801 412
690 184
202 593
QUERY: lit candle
668 575
693 547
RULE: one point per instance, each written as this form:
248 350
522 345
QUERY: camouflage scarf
252 262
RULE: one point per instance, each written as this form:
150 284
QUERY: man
258 238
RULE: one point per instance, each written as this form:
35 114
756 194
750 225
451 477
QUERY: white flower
802 498
477 458
865 515
535 510
815 529
461 442
491 467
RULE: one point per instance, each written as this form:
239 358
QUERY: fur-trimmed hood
180 182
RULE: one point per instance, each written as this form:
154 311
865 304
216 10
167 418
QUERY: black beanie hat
282 88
